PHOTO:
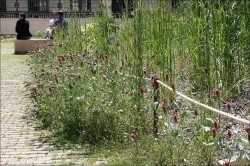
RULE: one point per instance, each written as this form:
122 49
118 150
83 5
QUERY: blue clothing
61 22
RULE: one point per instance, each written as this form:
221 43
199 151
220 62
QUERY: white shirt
51 23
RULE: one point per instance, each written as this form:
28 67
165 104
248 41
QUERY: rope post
156 96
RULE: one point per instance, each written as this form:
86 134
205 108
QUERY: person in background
51 25
23 28
60 22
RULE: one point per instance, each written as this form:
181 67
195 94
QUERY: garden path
20 140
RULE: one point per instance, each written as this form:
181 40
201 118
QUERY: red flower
196 111
229 133
217 92
153 84
49 88
208 95
215 124
34 89
40 85
226 163
141 90
132 136
175 118
167 76
214 132
247 129
145 71
163 107
34 96
176 110
152 77
173 86
182 160
228 105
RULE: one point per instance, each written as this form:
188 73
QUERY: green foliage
93 83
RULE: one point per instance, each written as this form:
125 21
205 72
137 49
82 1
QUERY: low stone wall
24 46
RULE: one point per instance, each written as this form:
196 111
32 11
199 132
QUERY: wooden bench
24 46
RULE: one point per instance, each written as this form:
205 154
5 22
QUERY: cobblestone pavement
20 143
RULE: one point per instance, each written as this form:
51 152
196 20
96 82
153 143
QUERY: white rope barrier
206 106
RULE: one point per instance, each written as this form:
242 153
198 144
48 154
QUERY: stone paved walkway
19 139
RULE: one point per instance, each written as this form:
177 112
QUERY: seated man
60 23
23 28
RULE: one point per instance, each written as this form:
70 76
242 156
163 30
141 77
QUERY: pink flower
217 92
228 105
163 107
196 111
144 153
175 118
229 133
215 124
226 163
214 132
132 136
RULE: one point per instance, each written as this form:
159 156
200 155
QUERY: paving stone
19 140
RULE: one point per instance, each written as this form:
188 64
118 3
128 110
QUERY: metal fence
41 8
46 14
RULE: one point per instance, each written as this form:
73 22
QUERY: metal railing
45 14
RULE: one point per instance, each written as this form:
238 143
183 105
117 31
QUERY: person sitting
51 25
22 28
60 24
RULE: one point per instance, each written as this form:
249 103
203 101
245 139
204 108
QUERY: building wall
53 4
